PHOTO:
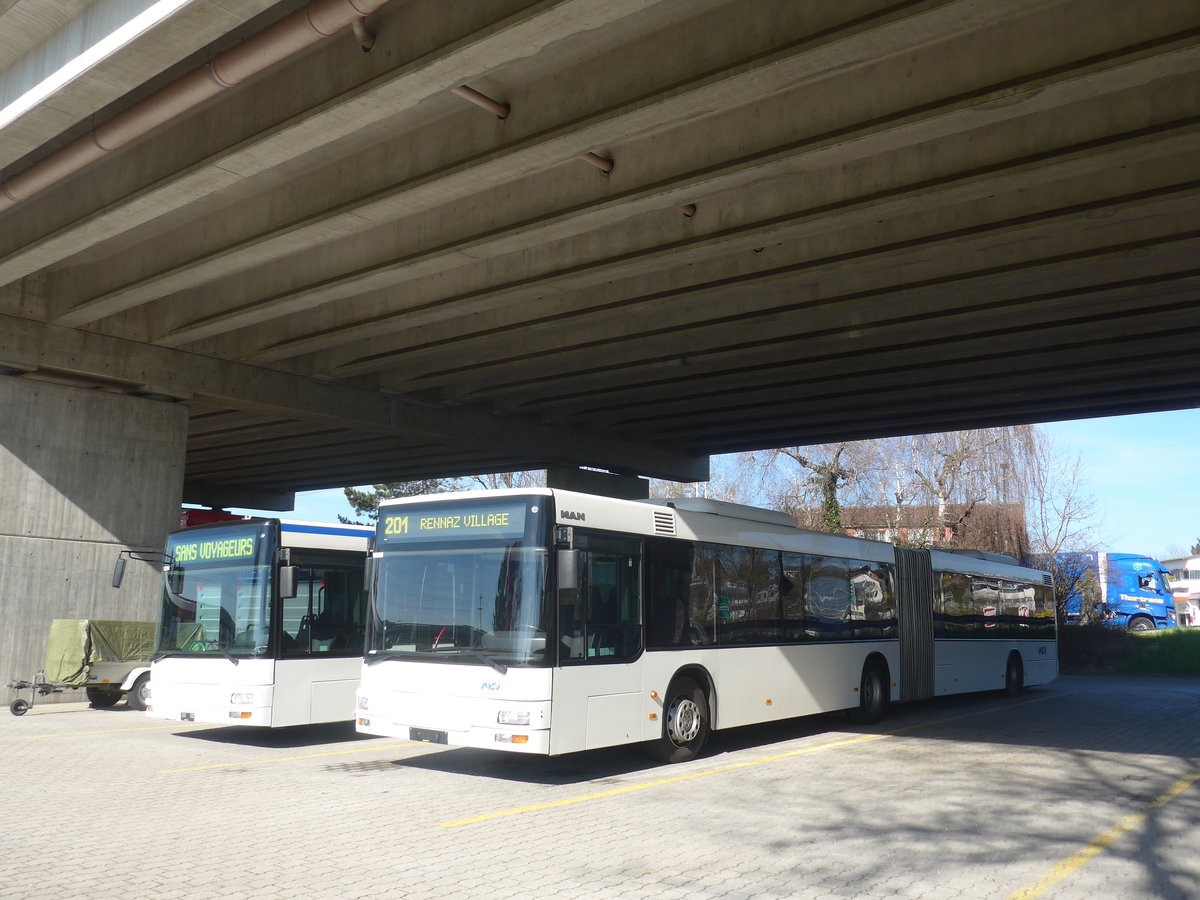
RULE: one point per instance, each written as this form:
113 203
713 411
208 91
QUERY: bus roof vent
1047 580
732 510
664 522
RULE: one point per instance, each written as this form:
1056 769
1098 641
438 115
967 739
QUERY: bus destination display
444 522
215 549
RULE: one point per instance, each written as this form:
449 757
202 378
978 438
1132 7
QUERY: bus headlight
512 717
363 702
246 698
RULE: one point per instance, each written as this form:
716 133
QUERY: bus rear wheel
872 695
685 723
1014 676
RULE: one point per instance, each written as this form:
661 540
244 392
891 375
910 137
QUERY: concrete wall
83 475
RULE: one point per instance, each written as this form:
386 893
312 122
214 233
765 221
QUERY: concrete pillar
84 474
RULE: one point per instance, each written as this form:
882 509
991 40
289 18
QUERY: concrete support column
84 474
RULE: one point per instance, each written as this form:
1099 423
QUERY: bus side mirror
118 572
175 580
568 569
287 582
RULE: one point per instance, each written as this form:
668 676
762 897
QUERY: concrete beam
374 286
492 43
224 496
26 345
38 37
858 43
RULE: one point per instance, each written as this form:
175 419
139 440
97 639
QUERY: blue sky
1143 471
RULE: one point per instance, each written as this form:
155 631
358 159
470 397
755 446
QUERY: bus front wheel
1141 623
872 695
685 723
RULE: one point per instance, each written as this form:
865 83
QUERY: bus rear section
262 623
550 622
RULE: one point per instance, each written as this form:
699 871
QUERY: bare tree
970 488
507 480
732 480
1061 516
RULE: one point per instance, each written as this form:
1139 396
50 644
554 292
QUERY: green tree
366 503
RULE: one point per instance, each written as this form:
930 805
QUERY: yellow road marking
729 768
259 762
1102 842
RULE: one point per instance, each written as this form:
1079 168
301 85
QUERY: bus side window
702 596
748 601
796 568
668 575
827 599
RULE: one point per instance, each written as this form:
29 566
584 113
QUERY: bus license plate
427 735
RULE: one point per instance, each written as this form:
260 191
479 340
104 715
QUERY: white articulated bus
262 623
546 621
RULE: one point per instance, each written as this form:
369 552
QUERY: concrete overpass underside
819 221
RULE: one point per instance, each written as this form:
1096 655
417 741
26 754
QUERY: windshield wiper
163 654
375 656
472 651
227 654
494 663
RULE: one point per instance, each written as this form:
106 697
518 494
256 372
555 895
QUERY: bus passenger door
598 684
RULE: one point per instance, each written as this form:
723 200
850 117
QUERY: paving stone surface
1087 788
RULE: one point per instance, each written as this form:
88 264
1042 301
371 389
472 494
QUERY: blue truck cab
1134 590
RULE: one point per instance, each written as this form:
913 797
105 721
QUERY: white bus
546 621
262 623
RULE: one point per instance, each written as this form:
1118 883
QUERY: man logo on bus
574 516
490 686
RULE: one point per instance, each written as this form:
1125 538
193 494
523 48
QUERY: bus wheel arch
1014 674
686 716
1141 623
874 691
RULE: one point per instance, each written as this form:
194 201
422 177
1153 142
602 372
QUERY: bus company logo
1042 650
573 516
490 686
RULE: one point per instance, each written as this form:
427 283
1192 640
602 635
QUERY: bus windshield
216 590
462 582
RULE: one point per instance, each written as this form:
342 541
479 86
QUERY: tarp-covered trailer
108 659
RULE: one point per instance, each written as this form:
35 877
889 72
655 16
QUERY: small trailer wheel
19 707
103 698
